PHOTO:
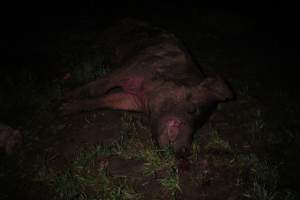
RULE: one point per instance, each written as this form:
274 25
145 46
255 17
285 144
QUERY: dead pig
157 76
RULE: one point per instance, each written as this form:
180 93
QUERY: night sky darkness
269 26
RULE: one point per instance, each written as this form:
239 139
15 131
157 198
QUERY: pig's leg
126 81
99 86
118 101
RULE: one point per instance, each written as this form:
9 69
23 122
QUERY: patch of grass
259 192
87 177
87 157
266 174
157 160
195 150
129 144
216 144
72 185
116 188
264 181
66 186
200 177
171 182
162 162
260 178
128 128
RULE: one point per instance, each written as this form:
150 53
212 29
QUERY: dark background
268 26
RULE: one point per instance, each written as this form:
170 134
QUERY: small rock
9 138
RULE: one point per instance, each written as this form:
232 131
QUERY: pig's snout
175 132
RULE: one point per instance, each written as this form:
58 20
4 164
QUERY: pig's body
158 77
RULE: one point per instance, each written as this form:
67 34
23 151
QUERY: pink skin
169 131
173 127
134 86
175 132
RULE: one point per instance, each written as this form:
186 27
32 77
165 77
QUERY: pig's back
151 52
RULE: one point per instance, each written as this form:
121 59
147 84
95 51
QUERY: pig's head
175 121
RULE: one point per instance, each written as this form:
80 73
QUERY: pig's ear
217 88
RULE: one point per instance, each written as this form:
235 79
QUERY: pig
155 75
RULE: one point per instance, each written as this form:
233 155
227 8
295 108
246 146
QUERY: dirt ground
248 148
